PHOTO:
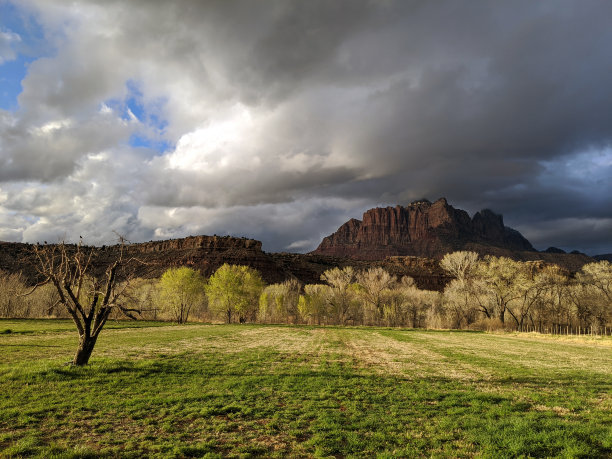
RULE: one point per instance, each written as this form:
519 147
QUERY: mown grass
244 390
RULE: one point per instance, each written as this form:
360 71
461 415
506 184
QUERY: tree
180 290
595 280
374 283
599 276
88 296
467 290
500 276
543 292
12 288
405 303
279 302
343 293
461 265
313 303
234 291
460 301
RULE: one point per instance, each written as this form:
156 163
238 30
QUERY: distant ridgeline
207 253
403 240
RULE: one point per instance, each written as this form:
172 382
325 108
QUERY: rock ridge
422 229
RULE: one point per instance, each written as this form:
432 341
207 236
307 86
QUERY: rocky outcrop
207 253
151 259
422 229
406 241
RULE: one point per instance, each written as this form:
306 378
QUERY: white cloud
8 40
282 121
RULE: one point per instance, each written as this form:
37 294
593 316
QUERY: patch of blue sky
11 75
134 105
149 116
30 46
142 141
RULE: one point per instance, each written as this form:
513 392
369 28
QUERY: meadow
158 389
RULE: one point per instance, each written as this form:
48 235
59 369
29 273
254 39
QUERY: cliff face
151 259
421 229
404 240
207 253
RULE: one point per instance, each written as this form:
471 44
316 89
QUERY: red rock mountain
422 229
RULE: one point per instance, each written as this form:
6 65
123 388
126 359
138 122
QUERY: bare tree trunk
86 347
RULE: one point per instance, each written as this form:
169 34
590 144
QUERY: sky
281 119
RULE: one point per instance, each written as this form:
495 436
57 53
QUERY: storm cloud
280 120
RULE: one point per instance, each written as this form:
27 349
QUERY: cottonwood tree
467 290
279 302
180 290
342 301
499 276
234 291
313 304
459 301
405 303
374 285
599 276
88 296
595 287
12 288
461 265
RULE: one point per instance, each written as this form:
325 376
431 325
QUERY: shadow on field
278 366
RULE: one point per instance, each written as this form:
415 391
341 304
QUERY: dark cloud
272 111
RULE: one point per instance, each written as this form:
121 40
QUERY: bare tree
461 265
500 276
374 283
342 298
11 295
88 296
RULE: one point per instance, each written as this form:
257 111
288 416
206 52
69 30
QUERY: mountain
422 229
605 256
403 240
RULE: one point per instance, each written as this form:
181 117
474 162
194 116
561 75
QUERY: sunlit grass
244 390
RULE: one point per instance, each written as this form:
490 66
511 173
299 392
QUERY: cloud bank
281 121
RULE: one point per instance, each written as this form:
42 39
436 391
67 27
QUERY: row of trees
484 293
493 292
528 296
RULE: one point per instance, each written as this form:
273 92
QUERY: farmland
165 390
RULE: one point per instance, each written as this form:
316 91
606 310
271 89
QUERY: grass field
240 390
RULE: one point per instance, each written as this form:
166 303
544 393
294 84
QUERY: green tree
180 290
313 304
234 291
279 302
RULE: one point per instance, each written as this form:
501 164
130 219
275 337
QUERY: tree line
485 293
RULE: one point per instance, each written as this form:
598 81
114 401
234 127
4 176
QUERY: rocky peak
421 228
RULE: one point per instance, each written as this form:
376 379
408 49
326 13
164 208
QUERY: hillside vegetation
240 390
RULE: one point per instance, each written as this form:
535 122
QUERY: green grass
163 390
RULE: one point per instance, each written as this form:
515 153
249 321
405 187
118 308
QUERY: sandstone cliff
422 229
207 253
